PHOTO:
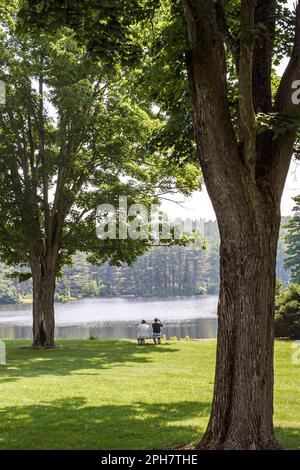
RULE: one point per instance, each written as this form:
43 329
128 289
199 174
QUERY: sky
199 205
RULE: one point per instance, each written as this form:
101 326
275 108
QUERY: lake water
117 318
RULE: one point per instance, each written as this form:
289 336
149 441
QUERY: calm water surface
117 318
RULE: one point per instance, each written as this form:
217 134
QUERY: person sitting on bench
157 326
143 331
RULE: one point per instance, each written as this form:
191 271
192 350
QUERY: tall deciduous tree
245 172
71 138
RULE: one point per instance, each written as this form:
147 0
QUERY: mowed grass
115 395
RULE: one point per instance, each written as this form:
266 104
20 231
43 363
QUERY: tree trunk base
198 446
233 444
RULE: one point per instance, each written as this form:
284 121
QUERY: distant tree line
292 240
287 309
163 271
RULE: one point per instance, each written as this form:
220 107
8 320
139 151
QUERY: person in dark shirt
156 327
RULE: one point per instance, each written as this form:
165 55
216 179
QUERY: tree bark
242 411
244 173
43 280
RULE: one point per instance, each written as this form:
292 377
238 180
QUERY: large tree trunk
242 412
43 284
244 172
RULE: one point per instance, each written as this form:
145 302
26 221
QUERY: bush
287 314
201 289
91 289
8 294
62 298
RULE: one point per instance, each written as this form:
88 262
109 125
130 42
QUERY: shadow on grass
93 355
72 424
289 438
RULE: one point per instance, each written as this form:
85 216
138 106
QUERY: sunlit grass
115 395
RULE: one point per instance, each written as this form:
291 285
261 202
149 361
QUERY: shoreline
29 301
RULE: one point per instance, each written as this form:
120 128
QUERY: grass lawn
115 395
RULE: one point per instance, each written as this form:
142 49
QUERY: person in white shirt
143 331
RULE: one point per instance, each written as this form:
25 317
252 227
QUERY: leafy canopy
72 137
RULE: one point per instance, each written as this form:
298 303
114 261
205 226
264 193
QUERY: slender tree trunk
242 411
43 283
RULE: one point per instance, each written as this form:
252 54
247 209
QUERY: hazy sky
199 205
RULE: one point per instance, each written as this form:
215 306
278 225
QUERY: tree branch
31 145
42 155
265 19
285 105
247 115
25 165
206 67
217 146
229 40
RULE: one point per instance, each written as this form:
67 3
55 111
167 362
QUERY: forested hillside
163 271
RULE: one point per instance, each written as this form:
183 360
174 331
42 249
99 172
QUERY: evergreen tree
292 241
